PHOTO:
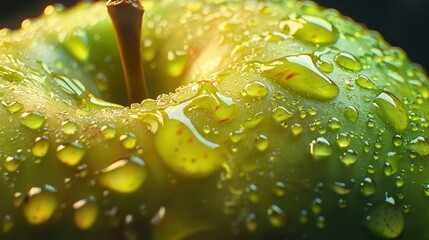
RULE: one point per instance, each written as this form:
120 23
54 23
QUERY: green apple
285 121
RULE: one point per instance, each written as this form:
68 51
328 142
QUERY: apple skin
260 141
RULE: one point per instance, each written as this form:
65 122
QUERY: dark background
404 23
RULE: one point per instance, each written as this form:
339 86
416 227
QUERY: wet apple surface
286 120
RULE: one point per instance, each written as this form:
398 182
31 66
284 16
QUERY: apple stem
127 17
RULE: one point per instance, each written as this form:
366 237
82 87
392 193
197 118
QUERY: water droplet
256 89
391 110
70 154
276 216
385 221
343 140
320 222
316 30
32 121
399 182
85 212
279 189
296 129
11 163
40 204
324 66
69 127
40 146
397 140
124 175
368 187
348 61
349 157
299 74
185 151
320 148
8 224
261 143
351 113
252 193
316 206
13 107
129 140
334 124
236 136
420 145
426 190
109 131
78 45
364 82
253 121
251 223
281 114
341 188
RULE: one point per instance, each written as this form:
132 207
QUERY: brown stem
127 17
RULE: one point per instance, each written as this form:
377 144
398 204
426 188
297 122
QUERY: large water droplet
70 154
281 114
348 61
316 30
385 221
256 89
69 127
299 74
129 140
320 148
13 107
109 131
124 175
391 110
364 82
85 212
32 121
40 147
368 187
349 157
351 113
40 204
11 163
276 216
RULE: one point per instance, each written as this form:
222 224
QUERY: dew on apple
334 124
185 151
315 30
252 193
251 223
253 121
364 82
41 146
343 140
388 169
261 143
85 212
236 136
426 190
399 181
276 216
69 127
296 129
129 140
324 66
279 189
303 216
298 73
348 62
385 220
109 131
70 154
13 107
390 109
11 163
255 89
351 113
340 188
125 175
78 45
320 148
420 145
349 157
32 120
367 187
40 204
316 206
281 114
8 223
